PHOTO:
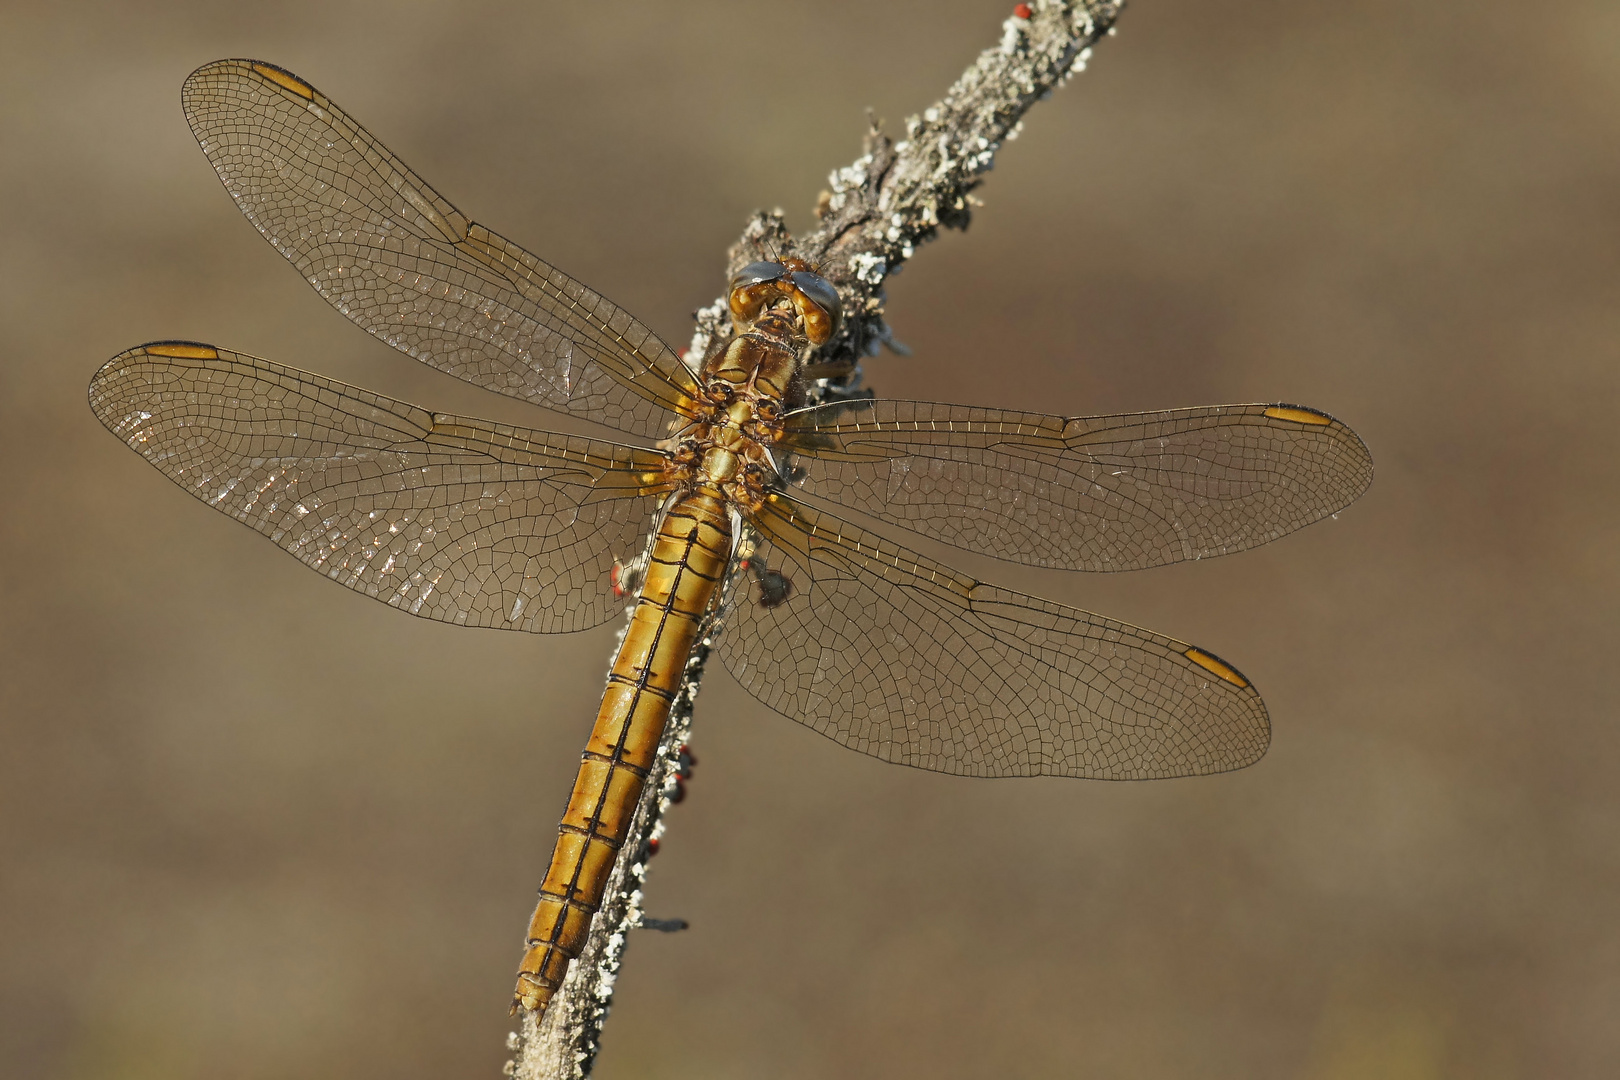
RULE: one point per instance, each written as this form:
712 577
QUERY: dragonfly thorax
746 387
781 312
727 450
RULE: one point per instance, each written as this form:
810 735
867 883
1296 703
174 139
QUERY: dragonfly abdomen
688 559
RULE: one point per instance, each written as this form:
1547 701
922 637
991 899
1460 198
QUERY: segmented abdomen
688 559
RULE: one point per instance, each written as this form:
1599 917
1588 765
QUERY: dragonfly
728 483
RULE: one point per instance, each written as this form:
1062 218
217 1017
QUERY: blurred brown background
254 825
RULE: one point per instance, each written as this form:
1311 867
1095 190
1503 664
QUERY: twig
878 210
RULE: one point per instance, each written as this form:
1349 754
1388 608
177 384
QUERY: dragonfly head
760 285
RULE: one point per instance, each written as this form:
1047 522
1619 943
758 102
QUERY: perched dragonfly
865 641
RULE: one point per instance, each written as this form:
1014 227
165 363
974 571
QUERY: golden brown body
718 462
688 557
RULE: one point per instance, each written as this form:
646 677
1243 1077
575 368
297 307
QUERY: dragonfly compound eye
754 287
755 273
818 305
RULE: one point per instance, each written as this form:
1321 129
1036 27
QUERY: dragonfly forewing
905 659
385 249
446 517
1082 493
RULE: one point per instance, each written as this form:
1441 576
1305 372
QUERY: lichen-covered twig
897 195
877 211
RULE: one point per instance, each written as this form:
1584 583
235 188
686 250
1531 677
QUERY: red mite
1022 11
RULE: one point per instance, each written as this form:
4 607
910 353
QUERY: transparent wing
910 661
389 252
1083 493
449 518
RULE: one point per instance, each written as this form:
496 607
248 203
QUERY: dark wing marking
446 517
910 661
389 252
1083 493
